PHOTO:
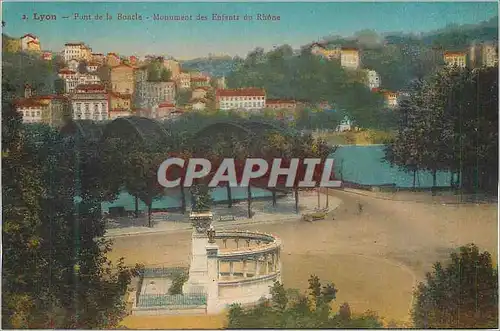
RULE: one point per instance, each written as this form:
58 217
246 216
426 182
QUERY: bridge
151 133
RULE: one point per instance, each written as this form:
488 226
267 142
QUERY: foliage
286 75
182 97
292 310
177 283
461 294
55 271
215 66
10 45
450 122
23 68
157 72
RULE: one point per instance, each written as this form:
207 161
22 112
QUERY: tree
82 67
55 271
166 75
183 97
293 310
461 294
450 123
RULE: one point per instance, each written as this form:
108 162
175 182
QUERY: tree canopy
460 294
450 122
290 309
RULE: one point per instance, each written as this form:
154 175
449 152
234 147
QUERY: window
32 114
38 113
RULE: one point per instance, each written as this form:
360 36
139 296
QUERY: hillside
215 66
10 45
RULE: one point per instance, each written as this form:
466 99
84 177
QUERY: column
244 268
225 242
236 241
266 261
257 266
218 269
231 269
248 242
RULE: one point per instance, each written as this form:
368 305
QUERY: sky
299 24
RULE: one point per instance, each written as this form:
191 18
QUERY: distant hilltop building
281 104
349 56
76 50
47 109
30 43
455 59
247 99
373 80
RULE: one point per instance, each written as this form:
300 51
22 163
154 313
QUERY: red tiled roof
100 54
166 105
241 92
93 64
204 88
200 79
456 53
29 35
120 95
30 102
91 87
67 72
113 54
33 42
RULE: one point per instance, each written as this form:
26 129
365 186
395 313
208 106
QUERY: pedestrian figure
360 208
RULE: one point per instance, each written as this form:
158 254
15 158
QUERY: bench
314 217
226 218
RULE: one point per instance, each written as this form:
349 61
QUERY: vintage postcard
247 165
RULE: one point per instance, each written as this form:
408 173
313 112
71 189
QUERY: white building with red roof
30 42
245 98
78 51
91 102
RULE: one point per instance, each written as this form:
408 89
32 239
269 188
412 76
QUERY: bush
177 283
464 294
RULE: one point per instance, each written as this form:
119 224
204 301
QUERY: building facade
281 104
150 94
373 80
90 101
184 81
202 81
112 60
173 66
483 55
47 109
98 58
349 58
455 59
30 43
78 51
199 93
246 99
122 79
120 102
